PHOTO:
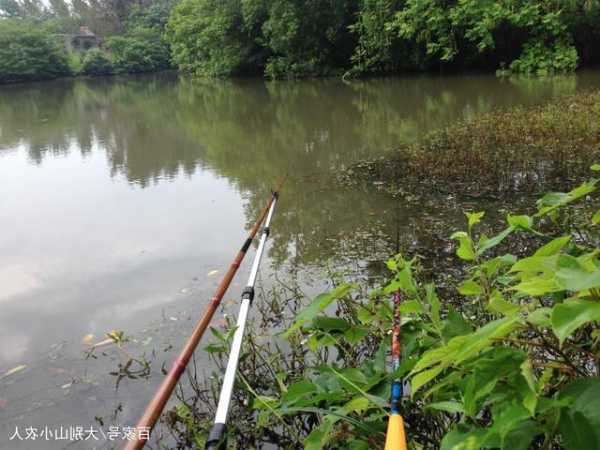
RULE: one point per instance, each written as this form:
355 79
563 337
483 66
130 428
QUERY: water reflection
156 127
249 131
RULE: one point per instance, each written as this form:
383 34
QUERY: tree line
33 35
296 38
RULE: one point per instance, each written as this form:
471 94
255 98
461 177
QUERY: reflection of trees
399 110
130 119
251 132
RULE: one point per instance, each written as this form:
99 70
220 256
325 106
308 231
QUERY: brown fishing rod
157 404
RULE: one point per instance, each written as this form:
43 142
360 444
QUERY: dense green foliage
142 51
505 356
211 37
142 48
29 53
35 34
96 62
296 38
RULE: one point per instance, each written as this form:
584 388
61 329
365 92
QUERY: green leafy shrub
96 62
540 60
75 61
208 37
142 51
513 364
142 47
280 39
473 30
28 53
288 38
504 356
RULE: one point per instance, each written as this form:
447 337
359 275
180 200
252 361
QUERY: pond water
121 197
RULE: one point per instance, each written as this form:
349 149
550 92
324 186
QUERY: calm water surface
119 198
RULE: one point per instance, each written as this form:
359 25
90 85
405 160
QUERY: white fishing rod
217 435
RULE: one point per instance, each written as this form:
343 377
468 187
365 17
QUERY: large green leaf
465 249
424 377
448 406
470 287
523 222
539 286
297 392
459 349
460 438
499 305
474 218
553 247
577 279
454 325
506 419
536 264
318 305
580 420
492 242
355 444
572 314
327 323
554 200
319 436
521 435
434 304
540 317
410 307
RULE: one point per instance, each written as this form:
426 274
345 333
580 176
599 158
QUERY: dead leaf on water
88 339
104 342
13 371
212 273
3 403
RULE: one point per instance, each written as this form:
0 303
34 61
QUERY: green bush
208 37
96 62
282 38
27 53
75 61
142 51
540 60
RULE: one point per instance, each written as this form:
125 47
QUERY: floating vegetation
12 371
521 149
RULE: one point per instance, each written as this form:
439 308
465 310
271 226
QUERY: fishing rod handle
395 437
216 437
